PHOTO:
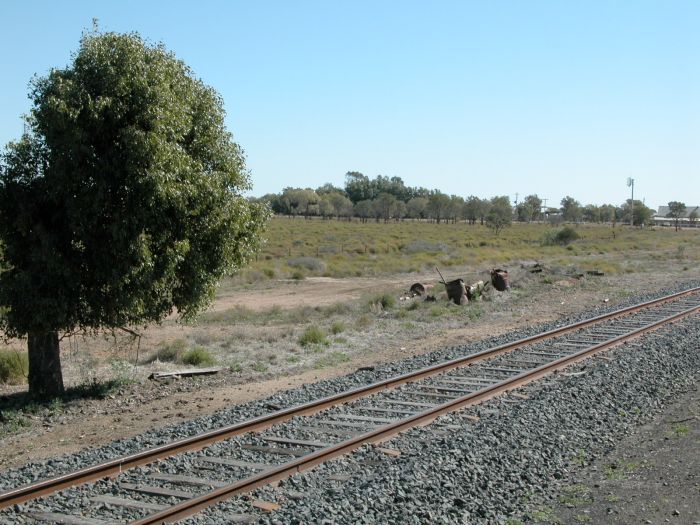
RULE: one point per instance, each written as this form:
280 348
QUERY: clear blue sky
486 98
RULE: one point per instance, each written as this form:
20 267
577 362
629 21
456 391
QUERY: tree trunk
45 376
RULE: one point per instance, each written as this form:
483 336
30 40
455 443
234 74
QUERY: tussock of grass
337 327
198 356
383 301
313 336
14 366
170 351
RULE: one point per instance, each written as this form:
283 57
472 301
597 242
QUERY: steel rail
116 466
194 505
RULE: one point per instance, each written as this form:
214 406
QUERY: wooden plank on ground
349 424
320 429
409 403
276 450
186 373
388 451
267 506
67 519
300 442
363 418
156 491
188 480
233 463
389 410
128 503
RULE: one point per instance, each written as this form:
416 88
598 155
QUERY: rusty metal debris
420 289
499 279
457 291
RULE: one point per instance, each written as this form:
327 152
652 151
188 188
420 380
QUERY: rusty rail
115 467
190 507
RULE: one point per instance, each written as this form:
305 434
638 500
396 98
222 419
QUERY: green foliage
337 327
309 263
313 336
500 214
680 430
124 199
259 367
561 237
198 356
14 366
383 301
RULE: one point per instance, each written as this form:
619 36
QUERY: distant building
660 217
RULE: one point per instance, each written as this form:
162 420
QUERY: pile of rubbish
461 293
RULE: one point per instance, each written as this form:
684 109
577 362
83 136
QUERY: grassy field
297 248
262 339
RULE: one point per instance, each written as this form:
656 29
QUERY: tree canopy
121 202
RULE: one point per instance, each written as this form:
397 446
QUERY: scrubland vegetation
255 342
299 248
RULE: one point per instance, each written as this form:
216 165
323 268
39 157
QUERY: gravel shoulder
652 476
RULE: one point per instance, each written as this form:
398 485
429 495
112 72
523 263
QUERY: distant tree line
389 199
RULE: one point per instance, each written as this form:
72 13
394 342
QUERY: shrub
561 237
384 300
313 336
298 275
198 356
309 263
14 366
337 327
420 245
259 366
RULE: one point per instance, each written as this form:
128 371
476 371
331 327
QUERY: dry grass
353 249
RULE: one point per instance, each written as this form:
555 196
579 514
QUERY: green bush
337 327
14 366
198 356
309 263
385 300
561 237
313 336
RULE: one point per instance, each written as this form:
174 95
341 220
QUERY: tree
571 209
341 204
675 211
693 216
416 208
591 213
475 209
529 209
121 202
438 205
363 210
641 214
384 206
500 214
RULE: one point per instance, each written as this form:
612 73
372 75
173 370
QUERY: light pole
630 182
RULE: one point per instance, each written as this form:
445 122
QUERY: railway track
194 473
